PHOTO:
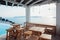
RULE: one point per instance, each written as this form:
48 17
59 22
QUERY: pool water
3 28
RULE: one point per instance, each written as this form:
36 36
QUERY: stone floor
56 37
53 37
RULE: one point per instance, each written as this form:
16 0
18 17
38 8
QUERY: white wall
58 18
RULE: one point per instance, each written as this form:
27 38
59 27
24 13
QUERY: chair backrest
16 26
10 32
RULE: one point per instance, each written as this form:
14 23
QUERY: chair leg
7 38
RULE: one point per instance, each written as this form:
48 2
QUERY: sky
9 11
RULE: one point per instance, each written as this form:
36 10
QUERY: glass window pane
44 14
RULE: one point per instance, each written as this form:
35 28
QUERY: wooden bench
45 37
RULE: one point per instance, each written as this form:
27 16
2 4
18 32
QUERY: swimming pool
3 28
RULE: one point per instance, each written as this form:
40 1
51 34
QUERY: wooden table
37 30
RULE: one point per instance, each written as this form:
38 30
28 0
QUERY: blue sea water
22 19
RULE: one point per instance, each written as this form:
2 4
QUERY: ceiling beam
28 2
11 1
45 2
12 4
35 2
6 3
20 2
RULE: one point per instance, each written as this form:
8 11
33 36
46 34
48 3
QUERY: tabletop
38 29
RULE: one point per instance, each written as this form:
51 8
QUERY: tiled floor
53 38
56 37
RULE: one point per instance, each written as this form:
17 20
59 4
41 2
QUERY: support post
58 18
27 13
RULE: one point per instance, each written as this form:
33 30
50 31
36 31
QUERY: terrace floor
56 37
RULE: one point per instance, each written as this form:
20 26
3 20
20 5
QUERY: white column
58 18
27 13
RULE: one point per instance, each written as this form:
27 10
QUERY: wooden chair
33 37
19 34
27 33
10 35
16 26
14 33
45 37
49 30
